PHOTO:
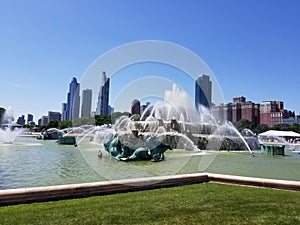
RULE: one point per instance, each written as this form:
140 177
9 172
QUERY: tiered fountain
166 125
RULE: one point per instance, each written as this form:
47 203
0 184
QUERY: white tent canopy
279 133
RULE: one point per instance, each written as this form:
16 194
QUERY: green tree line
97 120
244 123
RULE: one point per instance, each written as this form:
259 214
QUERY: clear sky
252 46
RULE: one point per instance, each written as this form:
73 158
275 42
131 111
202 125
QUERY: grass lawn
206 203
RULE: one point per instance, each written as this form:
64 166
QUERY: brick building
238 109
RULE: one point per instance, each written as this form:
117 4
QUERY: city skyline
202 94
253 50
266 112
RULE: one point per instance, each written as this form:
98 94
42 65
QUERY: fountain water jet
8 129
229 132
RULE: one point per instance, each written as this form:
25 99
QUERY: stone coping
60 192
253 181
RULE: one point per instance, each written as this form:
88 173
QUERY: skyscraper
43 121
144 107
29 118
21 120
54 116
64 111
135 107
203 91
73 100
103 97
86 105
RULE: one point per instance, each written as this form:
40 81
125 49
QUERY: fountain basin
273 149
50 134
66 140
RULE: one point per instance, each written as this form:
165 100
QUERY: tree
65 124
281 126
52 124
102 119
261 128
244 124
296 127
28 126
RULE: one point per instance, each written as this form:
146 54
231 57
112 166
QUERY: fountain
168 125
170 131
8 129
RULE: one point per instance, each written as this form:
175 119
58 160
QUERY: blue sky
251 46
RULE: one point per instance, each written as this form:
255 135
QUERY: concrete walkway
51 193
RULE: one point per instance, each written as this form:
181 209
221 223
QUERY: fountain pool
29 162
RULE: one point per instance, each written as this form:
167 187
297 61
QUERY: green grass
206 203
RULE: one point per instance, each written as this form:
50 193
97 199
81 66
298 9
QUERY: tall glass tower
103 96
73 100
203 91
86 105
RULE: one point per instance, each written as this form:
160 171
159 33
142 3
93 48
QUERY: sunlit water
29 162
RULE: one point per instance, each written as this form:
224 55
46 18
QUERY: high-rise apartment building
242 109
272 112
203 91
250 111
236 112
103 96
222 112
54 116
238 109
86 105
267 112
43 121
70 110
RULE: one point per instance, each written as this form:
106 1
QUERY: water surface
29 162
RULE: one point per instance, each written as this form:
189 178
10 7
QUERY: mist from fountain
224 137
176 106
9 130
225 134
8 136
